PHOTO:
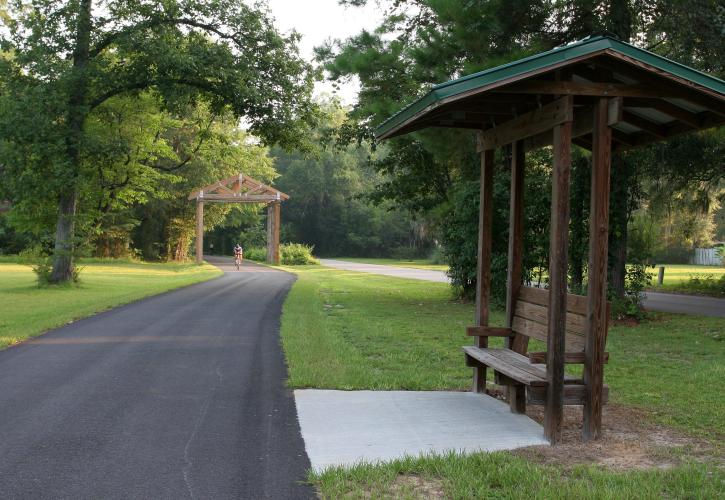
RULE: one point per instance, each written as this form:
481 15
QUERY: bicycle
238 261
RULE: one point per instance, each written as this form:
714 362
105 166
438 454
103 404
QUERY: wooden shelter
603 95
240 189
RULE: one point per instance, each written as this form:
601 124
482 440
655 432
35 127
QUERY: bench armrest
569 357
489 331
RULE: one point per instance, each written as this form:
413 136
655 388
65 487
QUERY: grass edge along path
27 310
347 330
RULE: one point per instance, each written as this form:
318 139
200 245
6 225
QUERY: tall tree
424 42
65 59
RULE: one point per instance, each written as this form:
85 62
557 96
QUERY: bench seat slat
514 365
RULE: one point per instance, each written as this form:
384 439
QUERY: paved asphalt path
399 272
686 304
667 302
180 395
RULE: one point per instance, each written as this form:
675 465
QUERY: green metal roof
504 73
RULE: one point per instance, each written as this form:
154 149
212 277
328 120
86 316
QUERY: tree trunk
68 199
64 230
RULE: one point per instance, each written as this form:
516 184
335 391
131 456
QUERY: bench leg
517 398
479 379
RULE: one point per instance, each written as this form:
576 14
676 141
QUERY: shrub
257 254
296 254
637 279
436 256
705 284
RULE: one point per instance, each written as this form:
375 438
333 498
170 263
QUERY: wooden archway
240 189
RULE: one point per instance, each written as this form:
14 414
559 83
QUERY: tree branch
152 23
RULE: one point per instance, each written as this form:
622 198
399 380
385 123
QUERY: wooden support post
596 320
199 231
273 222
516 393
483 273
558 245
516 240
275 236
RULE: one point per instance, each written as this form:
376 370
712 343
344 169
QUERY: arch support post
273 223
199 231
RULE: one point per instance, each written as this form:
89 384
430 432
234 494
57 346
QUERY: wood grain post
483 269
199 231
270 233
596 319
275 232
516 393
558 246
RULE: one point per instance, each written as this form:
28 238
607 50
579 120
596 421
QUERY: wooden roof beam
582 126
599 89
642 123
667 84
529 124
694 120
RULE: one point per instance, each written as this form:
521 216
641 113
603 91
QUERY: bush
637 279
705 284
296 254
257 254
436 256
406 253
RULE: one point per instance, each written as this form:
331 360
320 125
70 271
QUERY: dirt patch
417 487
629 442
626 321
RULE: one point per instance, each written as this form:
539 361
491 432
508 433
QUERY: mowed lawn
677 273
348 330
26 310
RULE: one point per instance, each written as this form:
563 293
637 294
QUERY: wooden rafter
235 188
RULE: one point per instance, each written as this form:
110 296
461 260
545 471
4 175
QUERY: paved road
178 396
668 302
400 272
686 304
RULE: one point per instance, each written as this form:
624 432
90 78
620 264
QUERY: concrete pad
346 427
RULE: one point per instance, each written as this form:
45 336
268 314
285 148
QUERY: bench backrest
532 311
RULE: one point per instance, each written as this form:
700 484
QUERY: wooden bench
525 374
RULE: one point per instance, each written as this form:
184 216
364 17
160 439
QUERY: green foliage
705 284
296 254
421 43
82 89
257 254
329 206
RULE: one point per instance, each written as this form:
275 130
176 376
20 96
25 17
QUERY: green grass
26 310
412 263
349 330
678 275
502 475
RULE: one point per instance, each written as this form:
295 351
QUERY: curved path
180 395
398 272
655 301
